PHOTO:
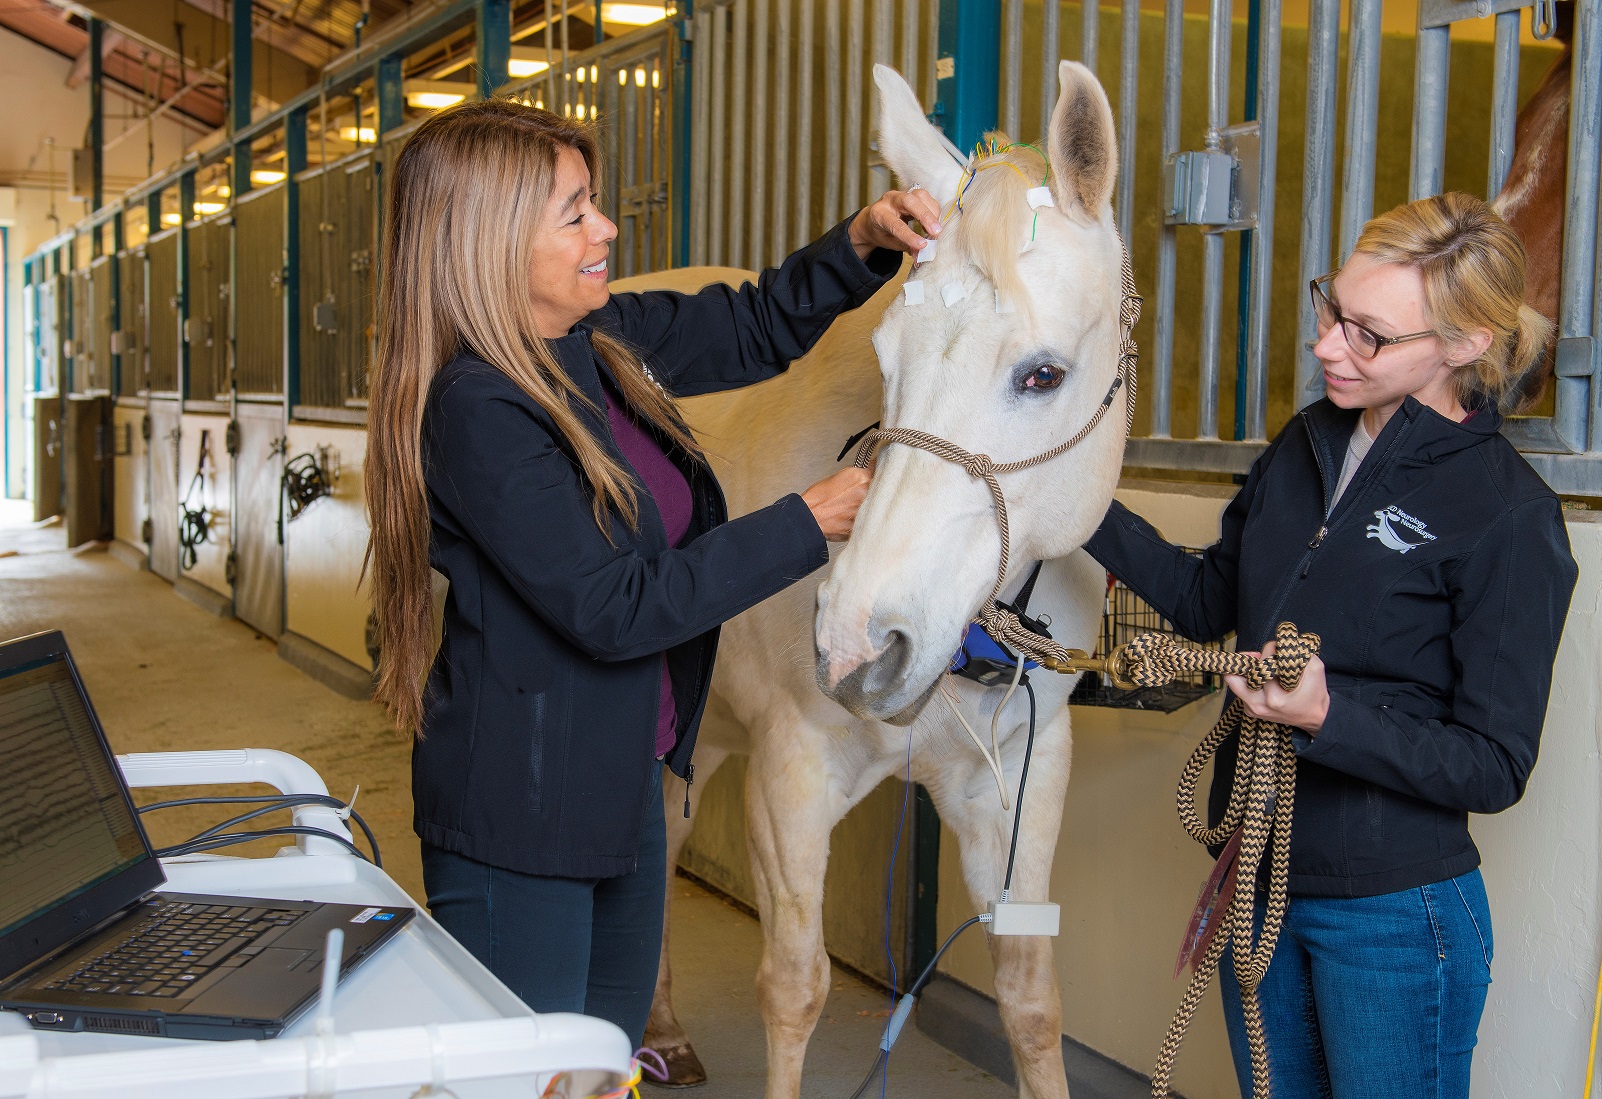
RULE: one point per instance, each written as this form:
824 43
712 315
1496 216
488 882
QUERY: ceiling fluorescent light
265 176
633 15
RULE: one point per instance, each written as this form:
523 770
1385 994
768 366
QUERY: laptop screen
66 824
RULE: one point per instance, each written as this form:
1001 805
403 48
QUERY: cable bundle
217 835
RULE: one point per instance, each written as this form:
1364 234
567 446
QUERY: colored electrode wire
903 1007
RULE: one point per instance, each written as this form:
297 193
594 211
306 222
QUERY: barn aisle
167 676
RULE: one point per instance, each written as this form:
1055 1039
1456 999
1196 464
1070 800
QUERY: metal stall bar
1128 113
831 106
883 51
1268 51
717 72
294 164
1050 58
742 170
633 228
781 129
1362 120
909 40
700 138
756 256
1504 99
1012 64
1430 74
803 134
1089 32
1220 30
1577 357
1162 388
851 179
1318 181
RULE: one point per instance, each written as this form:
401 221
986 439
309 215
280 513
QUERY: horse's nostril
888 671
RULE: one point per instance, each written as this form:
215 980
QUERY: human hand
835 499
884 224
1304 708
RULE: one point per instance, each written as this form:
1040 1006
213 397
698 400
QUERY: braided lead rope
1002 624
1261 804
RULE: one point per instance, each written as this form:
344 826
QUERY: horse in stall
1011 349
1532 196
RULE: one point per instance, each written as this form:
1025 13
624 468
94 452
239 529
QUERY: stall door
88 468
164 421
47 438
259 565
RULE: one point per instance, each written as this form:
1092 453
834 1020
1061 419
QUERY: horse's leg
1026 972
662 1030
790 811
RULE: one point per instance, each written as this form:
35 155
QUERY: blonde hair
468 195
1472 265
995 220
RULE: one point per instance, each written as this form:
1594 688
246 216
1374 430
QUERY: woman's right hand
835 499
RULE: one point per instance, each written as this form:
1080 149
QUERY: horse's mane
992 221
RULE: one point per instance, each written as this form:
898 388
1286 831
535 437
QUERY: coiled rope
1261 803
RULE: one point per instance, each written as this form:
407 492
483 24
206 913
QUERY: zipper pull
689 781
1318 539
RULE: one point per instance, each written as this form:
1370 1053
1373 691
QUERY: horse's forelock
996 221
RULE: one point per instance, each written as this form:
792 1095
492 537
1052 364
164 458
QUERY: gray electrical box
1196 188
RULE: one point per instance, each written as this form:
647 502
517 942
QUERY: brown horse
1532 198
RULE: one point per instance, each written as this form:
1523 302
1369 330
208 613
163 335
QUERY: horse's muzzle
879 688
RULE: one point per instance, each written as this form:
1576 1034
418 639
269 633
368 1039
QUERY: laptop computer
87 942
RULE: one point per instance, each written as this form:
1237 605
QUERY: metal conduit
1128 113
803 134
781 131
700 145
1576 294
741 170
1430 75
1318 184
831 84
1163 351
757 257
1089 32
1050 60
1362 121
1268 51
719 73
851 189
1012 63
1219 34
1504 99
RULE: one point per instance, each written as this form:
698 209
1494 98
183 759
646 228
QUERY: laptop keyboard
176 947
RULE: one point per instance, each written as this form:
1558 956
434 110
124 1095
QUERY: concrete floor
166 676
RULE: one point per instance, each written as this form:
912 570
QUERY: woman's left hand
884 224
1304 708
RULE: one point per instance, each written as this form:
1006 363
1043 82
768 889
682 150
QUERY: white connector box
1012 918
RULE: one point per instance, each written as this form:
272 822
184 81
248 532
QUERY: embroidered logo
1398 530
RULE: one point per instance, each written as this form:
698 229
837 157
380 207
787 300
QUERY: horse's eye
1045 376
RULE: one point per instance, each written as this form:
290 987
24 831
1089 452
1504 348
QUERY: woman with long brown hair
523 441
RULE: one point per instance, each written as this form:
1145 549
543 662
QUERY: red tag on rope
1214 900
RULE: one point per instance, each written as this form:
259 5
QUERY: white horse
1013 367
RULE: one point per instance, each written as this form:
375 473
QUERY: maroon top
671 494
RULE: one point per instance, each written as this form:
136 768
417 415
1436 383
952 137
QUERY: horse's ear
1082 144
909 143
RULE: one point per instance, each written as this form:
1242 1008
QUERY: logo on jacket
1398 530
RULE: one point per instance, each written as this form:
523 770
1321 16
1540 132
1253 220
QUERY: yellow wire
1596 1018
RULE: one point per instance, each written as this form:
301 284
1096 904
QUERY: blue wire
889 893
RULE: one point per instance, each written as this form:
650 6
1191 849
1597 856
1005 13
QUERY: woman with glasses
1392 519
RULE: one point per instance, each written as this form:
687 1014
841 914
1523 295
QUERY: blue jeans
1372 997
588 945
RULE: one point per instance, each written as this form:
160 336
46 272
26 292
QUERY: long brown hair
468 193
1472 265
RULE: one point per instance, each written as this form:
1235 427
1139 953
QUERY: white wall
1127 876
35 103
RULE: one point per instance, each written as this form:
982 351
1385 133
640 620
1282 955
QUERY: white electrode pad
952 292
1038 197
913 289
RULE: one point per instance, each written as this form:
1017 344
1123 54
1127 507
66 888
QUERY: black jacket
541 706
1439 585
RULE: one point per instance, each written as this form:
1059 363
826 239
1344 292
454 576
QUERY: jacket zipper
689 781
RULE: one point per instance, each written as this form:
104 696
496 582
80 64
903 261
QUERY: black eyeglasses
1363 340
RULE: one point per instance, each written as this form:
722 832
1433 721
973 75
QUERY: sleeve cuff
812 548
881 265
1343 712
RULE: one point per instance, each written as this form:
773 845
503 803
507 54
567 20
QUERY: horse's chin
895 704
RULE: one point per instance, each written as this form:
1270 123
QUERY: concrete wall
1126 875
